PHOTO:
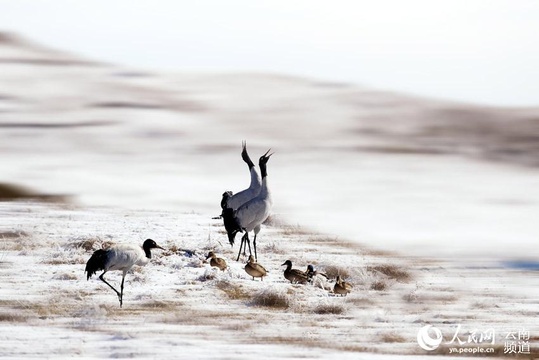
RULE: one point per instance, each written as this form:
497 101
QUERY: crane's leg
122 290
241 244
254 244
105 281
248 243
244 241
256 230
244 246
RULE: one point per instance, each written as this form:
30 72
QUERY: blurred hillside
48 94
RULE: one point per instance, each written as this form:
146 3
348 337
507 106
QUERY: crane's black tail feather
96 262
231 224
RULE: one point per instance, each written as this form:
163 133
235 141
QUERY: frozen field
428 208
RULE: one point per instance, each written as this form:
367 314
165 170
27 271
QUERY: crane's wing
252 213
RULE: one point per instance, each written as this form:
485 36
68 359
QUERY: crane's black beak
266 154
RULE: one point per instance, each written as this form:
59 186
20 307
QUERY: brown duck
294 275
342 287
255 269
216 261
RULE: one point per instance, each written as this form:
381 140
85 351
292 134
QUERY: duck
341 287
255 269
216 261
294 275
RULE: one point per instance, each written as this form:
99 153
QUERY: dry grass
199 317
392 272
11 318
273 248
161 305
358 348
237 326
21 243
334 309
361 302
65 276
271 298
392 337
309 342
11 234
43 310
410 297
233 291
379 285
414 297
65 259
290 230
209 274
88 244
332 271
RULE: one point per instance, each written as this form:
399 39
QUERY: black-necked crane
120 257
317 278
294 275
249 216
341 287
311 273
234 201
255 269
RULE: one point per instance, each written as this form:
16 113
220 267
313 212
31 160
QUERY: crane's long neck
263 169
248 161
256 182
264 189
147 252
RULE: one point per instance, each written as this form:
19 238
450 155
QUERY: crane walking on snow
120 257
249 216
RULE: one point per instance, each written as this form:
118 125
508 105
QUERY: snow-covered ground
180 307
426 207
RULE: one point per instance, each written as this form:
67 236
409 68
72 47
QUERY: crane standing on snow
120 257
252 214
